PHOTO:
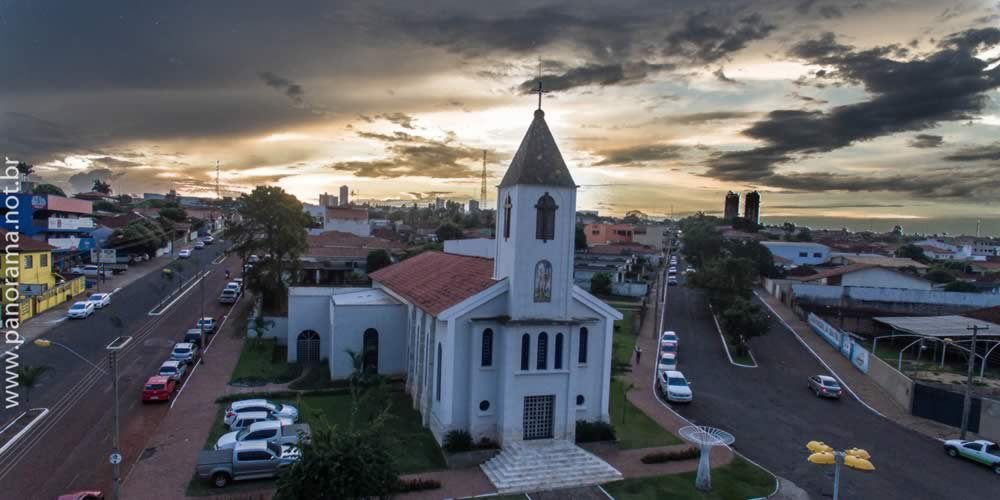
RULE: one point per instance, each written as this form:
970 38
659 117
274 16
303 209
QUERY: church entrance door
538 416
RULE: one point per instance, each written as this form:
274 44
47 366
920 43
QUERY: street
773 415
68 450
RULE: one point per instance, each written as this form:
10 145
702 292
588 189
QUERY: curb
22 432
725 345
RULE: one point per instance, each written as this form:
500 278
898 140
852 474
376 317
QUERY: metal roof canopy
939 326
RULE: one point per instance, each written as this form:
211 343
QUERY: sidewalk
866 389
168 462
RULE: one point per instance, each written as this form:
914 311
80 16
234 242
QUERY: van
228 296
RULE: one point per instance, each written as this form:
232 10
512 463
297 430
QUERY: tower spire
539 90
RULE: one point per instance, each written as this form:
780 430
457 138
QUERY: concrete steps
549 464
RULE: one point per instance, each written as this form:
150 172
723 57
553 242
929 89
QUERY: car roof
207 318
98 294
194 330
81 303
254 414
675 374
184 345
669 332
157 379
170 362
251 445
248 402
826 378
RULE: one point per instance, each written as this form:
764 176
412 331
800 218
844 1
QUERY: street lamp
854 458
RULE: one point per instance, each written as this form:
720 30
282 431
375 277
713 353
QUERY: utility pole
967 402
116 457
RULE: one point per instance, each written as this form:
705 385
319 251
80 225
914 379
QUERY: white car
184 254
80 310
91 270
234 286
206 324
185 352
668 347
675 387
198 245
254 405
667 362
669 336
100 300
209 240
172 369
246 419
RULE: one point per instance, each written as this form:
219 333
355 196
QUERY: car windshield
831 383
96 296
168 369
78 306
242 434
277 406
182 350
155 387
669 348
678 382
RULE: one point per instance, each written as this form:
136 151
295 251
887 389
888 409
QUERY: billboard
104 256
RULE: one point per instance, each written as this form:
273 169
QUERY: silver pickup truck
268 430
248 460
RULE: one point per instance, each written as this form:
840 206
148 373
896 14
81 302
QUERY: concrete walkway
871 394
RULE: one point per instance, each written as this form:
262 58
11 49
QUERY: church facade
505 348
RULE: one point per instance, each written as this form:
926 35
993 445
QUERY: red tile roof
435 281
25 244
836 271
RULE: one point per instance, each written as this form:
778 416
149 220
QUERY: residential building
32 258
751 207
800 253
473 247
504 348
607 234
939 250
345 192
732 206
473 206
64 223
439 203
336 257
652 235
346 220
867 275
840 259
587 216
328 201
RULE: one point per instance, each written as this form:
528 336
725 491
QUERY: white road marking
179 296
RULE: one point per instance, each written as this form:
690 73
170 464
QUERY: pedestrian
638 354
227 273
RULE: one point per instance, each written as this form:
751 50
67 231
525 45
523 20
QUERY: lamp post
854 458
967 401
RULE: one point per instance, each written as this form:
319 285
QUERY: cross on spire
539 90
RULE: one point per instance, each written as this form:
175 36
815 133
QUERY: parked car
184 254
268 430
675 387
672 281
982 451
82 495
228 296
158 388
232 285
274 408
246 419
825 386
253 460
185 352
100 300
689 269
669 336
80 310
195 336
208 240
207 324
668 347
92 270
253 259
667 362
199 245
173 369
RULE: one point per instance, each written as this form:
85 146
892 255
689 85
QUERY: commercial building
732 206
607 234
800 253
328 201
345 193
64 223
346 220
751 207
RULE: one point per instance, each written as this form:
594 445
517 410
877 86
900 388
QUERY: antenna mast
482 190
218 194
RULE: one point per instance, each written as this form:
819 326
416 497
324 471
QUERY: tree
25 169
581 238
961 286
754 251
105 206
600 284
48 189
911 251
176 214
377 259
743 224
940 275
27 377
271 222
448 231
101 187
743 320
804 234
725 280
701 241
788 227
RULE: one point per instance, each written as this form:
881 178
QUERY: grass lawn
263 361
633 428
737 481
623 343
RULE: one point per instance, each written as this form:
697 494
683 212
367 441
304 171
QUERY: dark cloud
706 37
596 74
720 75
977 153
924 141
710 117
640 155
292 90
831 12
415 156
114 163
402 119
835 206
948 85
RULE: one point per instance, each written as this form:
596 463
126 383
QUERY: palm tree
27 377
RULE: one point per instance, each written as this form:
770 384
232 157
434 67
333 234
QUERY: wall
629 289
899 386
791 251
475 247
894 295
309 309
58 294
354 226
989 420
349 325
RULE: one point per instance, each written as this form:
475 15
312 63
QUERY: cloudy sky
859 108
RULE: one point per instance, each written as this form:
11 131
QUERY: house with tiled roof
868 275
505 348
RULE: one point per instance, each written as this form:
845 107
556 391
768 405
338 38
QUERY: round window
579 400
484 405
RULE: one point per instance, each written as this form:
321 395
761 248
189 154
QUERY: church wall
349 325
473 382
591 380
308 312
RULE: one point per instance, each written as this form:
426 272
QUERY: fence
841 341
944 406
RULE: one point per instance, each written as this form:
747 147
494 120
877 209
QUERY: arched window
543 351
557 363
487 352
543 281
438 368
370 349
308 343
525 351
582 357
506 218
545 218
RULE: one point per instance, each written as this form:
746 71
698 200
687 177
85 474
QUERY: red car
82 495
158 388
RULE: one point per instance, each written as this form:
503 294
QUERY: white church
506 348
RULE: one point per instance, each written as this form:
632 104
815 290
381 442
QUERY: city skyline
819 105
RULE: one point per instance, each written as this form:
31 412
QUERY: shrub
457 441
418 484
667 456
487 444
589 432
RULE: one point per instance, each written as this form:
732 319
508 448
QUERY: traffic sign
116 458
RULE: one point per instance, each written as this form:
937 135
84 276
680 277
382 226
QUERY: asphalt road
773 415
68 450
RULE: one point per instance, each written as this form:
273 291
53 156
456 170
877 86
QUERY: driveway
773 415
